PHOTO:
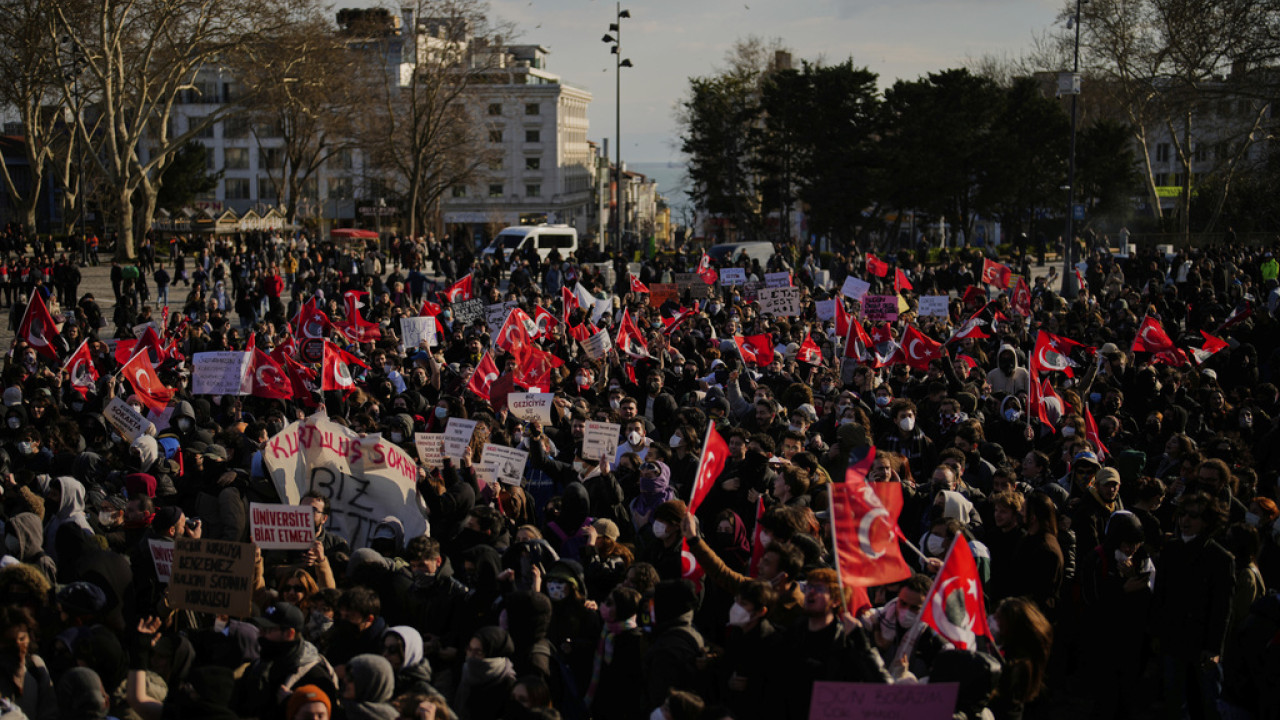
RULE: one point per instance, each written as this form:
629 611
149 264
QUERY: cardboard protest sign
777 279
826 309
854 288
126 421
495 315
693 284
600 439
162 557
781 301
502 464
934 306
365 477
598 345
867 701
659 293
733 276
213 576
219 373
880 308
603 307
282 527
457 436
413 330
531 406
468 311
430 448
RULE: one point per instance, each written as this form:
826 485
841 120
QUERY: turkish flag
146 384
1053 352
670 324
1091 433
757 547
459 291
842 317
429 309
582 332
954 606
809 351
311 320
755 349
337 368
1042 397
971 328
1022 298
900 281
568 303
637 286
994 273
357 327
689 568
269 379
706 272
150 342
485 373
514 337
630 340
37 326
1152 338
1211 346
302 379
81 371
876 266
714 454
864 529
534 370
544 321
859 346
920 350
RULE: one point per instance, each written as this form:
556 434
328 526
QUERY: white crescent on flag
342 374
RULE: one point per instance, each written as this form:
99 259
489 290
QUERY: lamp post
619 221
1070 286
72 71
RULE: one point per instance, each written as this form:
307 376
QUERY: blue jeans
1191 689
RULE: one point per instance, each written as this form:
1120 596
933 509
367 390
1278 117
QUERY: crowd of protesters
1128 565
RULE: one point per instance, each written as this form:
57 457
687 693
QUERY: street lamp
1070 286
619 221
72 71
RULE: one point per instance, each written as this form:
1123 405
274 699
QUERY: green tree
1106 170
719 117
186 178
1031 132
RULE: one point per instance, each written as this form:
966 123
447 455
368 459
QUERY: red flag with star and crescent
809 351
954 607
146 383
337 368
482 378
1152 338
1052 352
37 327
900 281
994 273
637 286
876 266
1022 298
268 378
568 303
864 528
459 291
81 371
710 464
705 271
919 349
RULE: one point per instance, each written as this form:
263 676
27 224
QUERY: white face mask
26 448
582 381
674 442
635 438
613 403
108 519
907 618
1068 431
15 422
1253 519
1011 415
657 714
556 590
739 616
1188 538
795 428
659 529
397 437
442 413
766 537
934 544
1121 556
907 423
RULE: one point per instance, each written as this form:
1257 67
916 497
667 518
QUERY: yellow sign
1168 191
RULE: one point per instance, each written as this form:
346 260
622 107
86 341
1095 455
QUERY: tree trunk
124 225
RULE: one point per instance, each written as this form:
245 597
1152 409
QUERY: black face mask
275 649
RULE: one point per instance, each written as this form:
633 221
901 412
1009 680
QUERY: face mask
674 442
15 422
1188 538
659 529
397 437
739 616
1012 415
1246 421
907 423
137 408
77 406
907 618
1253 519
882 400
26 448
517 437
1068 431
388 369
108 519
654 387
635 438
557 590
579 467
657 714
766 537
184 424
442 413
795 428
582 380
1095 397
935 544
115 437
613 404
826 388
1121 556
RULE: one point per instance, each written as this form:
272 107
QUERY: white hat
13 396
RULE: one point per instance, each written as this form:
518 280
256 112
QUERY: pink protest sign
865 701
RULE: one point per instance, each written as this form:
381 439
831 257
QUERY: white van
544 238
729 253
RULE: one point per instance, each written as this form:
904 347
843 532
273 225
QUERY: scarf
604 653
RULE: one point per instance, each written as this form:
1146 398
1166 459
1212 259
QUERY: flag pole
82 344
702 455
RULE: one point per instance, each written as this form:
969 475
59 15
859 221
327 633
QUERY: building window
495 165
532 109
495 191
341 160
1202 152
270 158
495 109
1162 152
459 191
495 136
533 190
532 136
340 188
267 188
235 128
237 188
236 158
204 132
532 163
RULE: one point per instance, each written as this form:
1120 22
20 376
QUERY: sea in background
672 185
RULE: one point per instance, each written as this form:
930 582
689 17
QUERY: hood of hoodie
955 506
182 409
72 496
149 450
412 639
373 678
396 527
1007 348
28 530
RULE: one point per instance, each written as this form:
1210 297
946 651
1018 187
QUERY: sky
669 41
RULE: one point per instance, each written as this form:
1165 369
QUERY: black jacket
1195 582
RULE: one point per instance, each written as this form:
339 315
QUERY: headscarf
81 696
653 492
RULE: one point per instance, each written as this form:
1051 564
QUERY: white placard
161 420
162 556
457 436
413 330
495 315
935 306
600 439
598 345
780 301
530 406
365 477
854 288
219 373
430 448
142 327
126 421
777 279
733 276
602 307
826 309
502 464
282 527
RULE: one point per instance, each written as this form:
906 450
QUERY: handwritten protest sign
430 448
826 309
468 311
457 436
413 330
934 306
866 701
126 421
219 373
777 279
660 293
781 301
733 276
213 576
693 284
854 288
880 307
162 557
282 527
502 464
365 477
598 345
600 439
496 314
531 406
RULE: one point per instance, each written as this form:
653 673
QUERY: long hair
1026 637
